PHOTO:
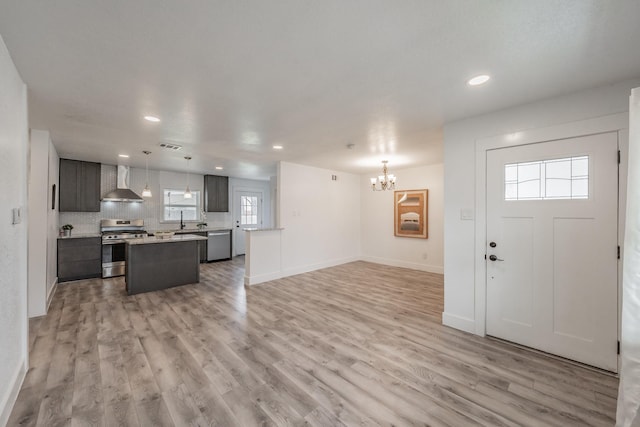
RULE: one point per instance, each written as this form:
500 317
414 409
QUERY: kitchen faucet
182 224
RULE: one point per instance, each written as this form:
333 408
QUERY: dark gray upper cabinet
216 193
79 186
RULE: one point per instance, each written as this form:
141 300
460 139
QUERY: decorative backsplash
150 210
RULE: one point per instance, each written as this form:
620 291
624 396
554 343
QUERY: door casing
611 123
236 209
531 296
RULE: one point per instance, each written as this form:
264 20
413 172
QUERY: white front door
248 214
552 218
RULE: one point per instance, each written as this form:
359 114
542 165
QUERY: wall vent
170 146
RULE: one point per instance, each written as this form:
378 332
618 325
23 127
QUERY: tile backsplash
151 210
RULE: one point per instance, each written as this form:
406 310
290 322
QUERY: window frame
254 213
197 194
543 179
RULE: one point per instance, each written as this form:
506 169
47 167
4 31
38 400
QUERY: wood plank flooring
358 344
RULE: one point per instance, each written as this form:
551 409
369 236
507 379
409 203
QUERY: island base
153 267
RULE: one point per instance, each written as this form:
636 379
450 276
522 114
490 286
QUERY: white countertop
190 230
172 239
80 236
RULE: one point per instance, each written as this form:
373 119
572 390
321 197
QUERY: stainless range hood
122 193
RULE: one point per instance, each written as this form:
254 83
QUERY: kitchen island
154 264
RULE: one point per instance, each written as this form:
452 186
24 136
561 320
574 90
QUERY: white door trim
609 123
234 208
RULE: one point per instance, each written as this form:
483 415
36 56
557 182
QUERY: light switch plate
17 215
466 214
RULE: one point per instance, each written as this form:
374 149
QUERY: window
174 203
566 178
248 210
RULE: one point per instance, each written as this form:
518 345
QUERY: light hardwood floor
357 344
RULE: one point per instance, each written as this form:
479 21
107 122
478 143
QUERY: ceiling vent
169 146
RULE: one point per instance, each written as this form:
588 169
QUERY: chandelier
387 181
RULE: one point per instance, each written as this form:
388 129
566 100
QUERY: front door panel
552 275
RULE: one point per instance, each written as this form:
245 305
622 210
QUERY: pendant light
146 192
187 192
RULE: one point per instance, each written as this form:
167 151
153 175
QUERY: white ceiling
229 79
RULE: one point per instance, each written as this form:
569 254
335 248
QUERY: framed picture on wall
410 218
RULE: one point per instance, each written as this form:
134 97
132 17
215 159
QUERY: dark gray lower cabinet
156 266
202 246
79 258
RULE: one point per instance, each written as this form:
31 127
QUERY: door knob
494 258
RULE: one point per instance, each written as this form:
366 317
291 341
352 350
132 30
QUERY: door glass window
248 210
566 178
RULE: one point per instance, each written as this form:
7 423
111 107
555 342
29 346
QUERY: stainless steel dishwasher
218 245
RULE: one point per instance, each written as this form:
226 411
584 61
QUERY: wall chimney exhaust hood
122 193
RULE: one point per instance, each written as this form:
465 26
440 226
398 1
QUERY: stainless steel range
114 234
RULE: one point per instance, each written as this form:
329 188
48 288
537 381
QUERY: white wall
38 182
378 241
151 209
238 184
14 142
52 222
460 179
320 217
273 190
43 222
629 391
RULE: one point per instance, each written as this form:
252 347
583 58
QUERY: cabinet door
79 186
79 258
202 244
222 194
69 185
90 187
216 193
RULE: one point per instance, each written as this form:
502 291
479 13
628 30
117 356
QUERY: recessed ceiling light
478 80
126 156
219 168
152 119
277 147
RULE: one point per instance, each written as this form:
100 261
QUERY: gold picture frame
410 213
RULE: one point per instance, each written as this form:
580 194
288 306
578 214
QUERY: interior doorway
247 208
552 247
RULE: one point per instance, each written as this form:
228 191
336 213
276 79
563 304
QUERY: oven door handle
112 242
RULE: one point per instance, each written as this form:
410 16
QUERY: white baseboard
52 292
313 267
6 405
261 278
404 264
459 322
254 280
